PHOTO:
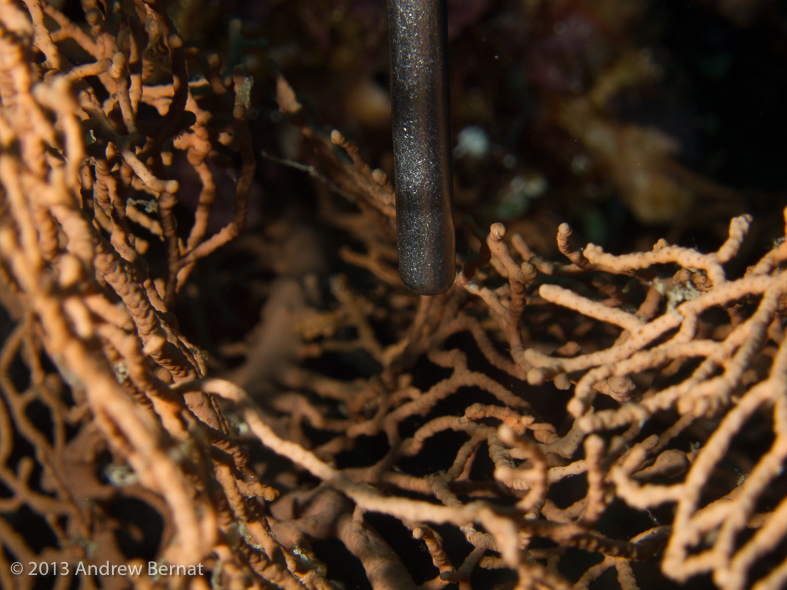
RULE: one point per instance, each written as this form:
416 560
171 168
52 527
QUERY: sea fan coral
541 425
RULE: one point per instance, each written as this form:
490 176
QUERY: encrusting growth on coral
537 426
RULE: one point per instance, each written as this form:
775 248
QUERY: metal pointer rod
422 144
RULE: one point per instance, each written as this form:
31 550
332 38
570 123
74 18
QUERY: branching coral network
541 425
80 165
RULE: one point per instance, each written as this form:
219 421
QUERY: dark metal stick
422 145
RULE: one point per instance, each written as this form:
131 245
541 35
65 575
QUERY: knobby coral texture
609 421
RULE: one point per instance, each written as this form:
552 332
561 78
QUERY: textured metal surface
422 150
